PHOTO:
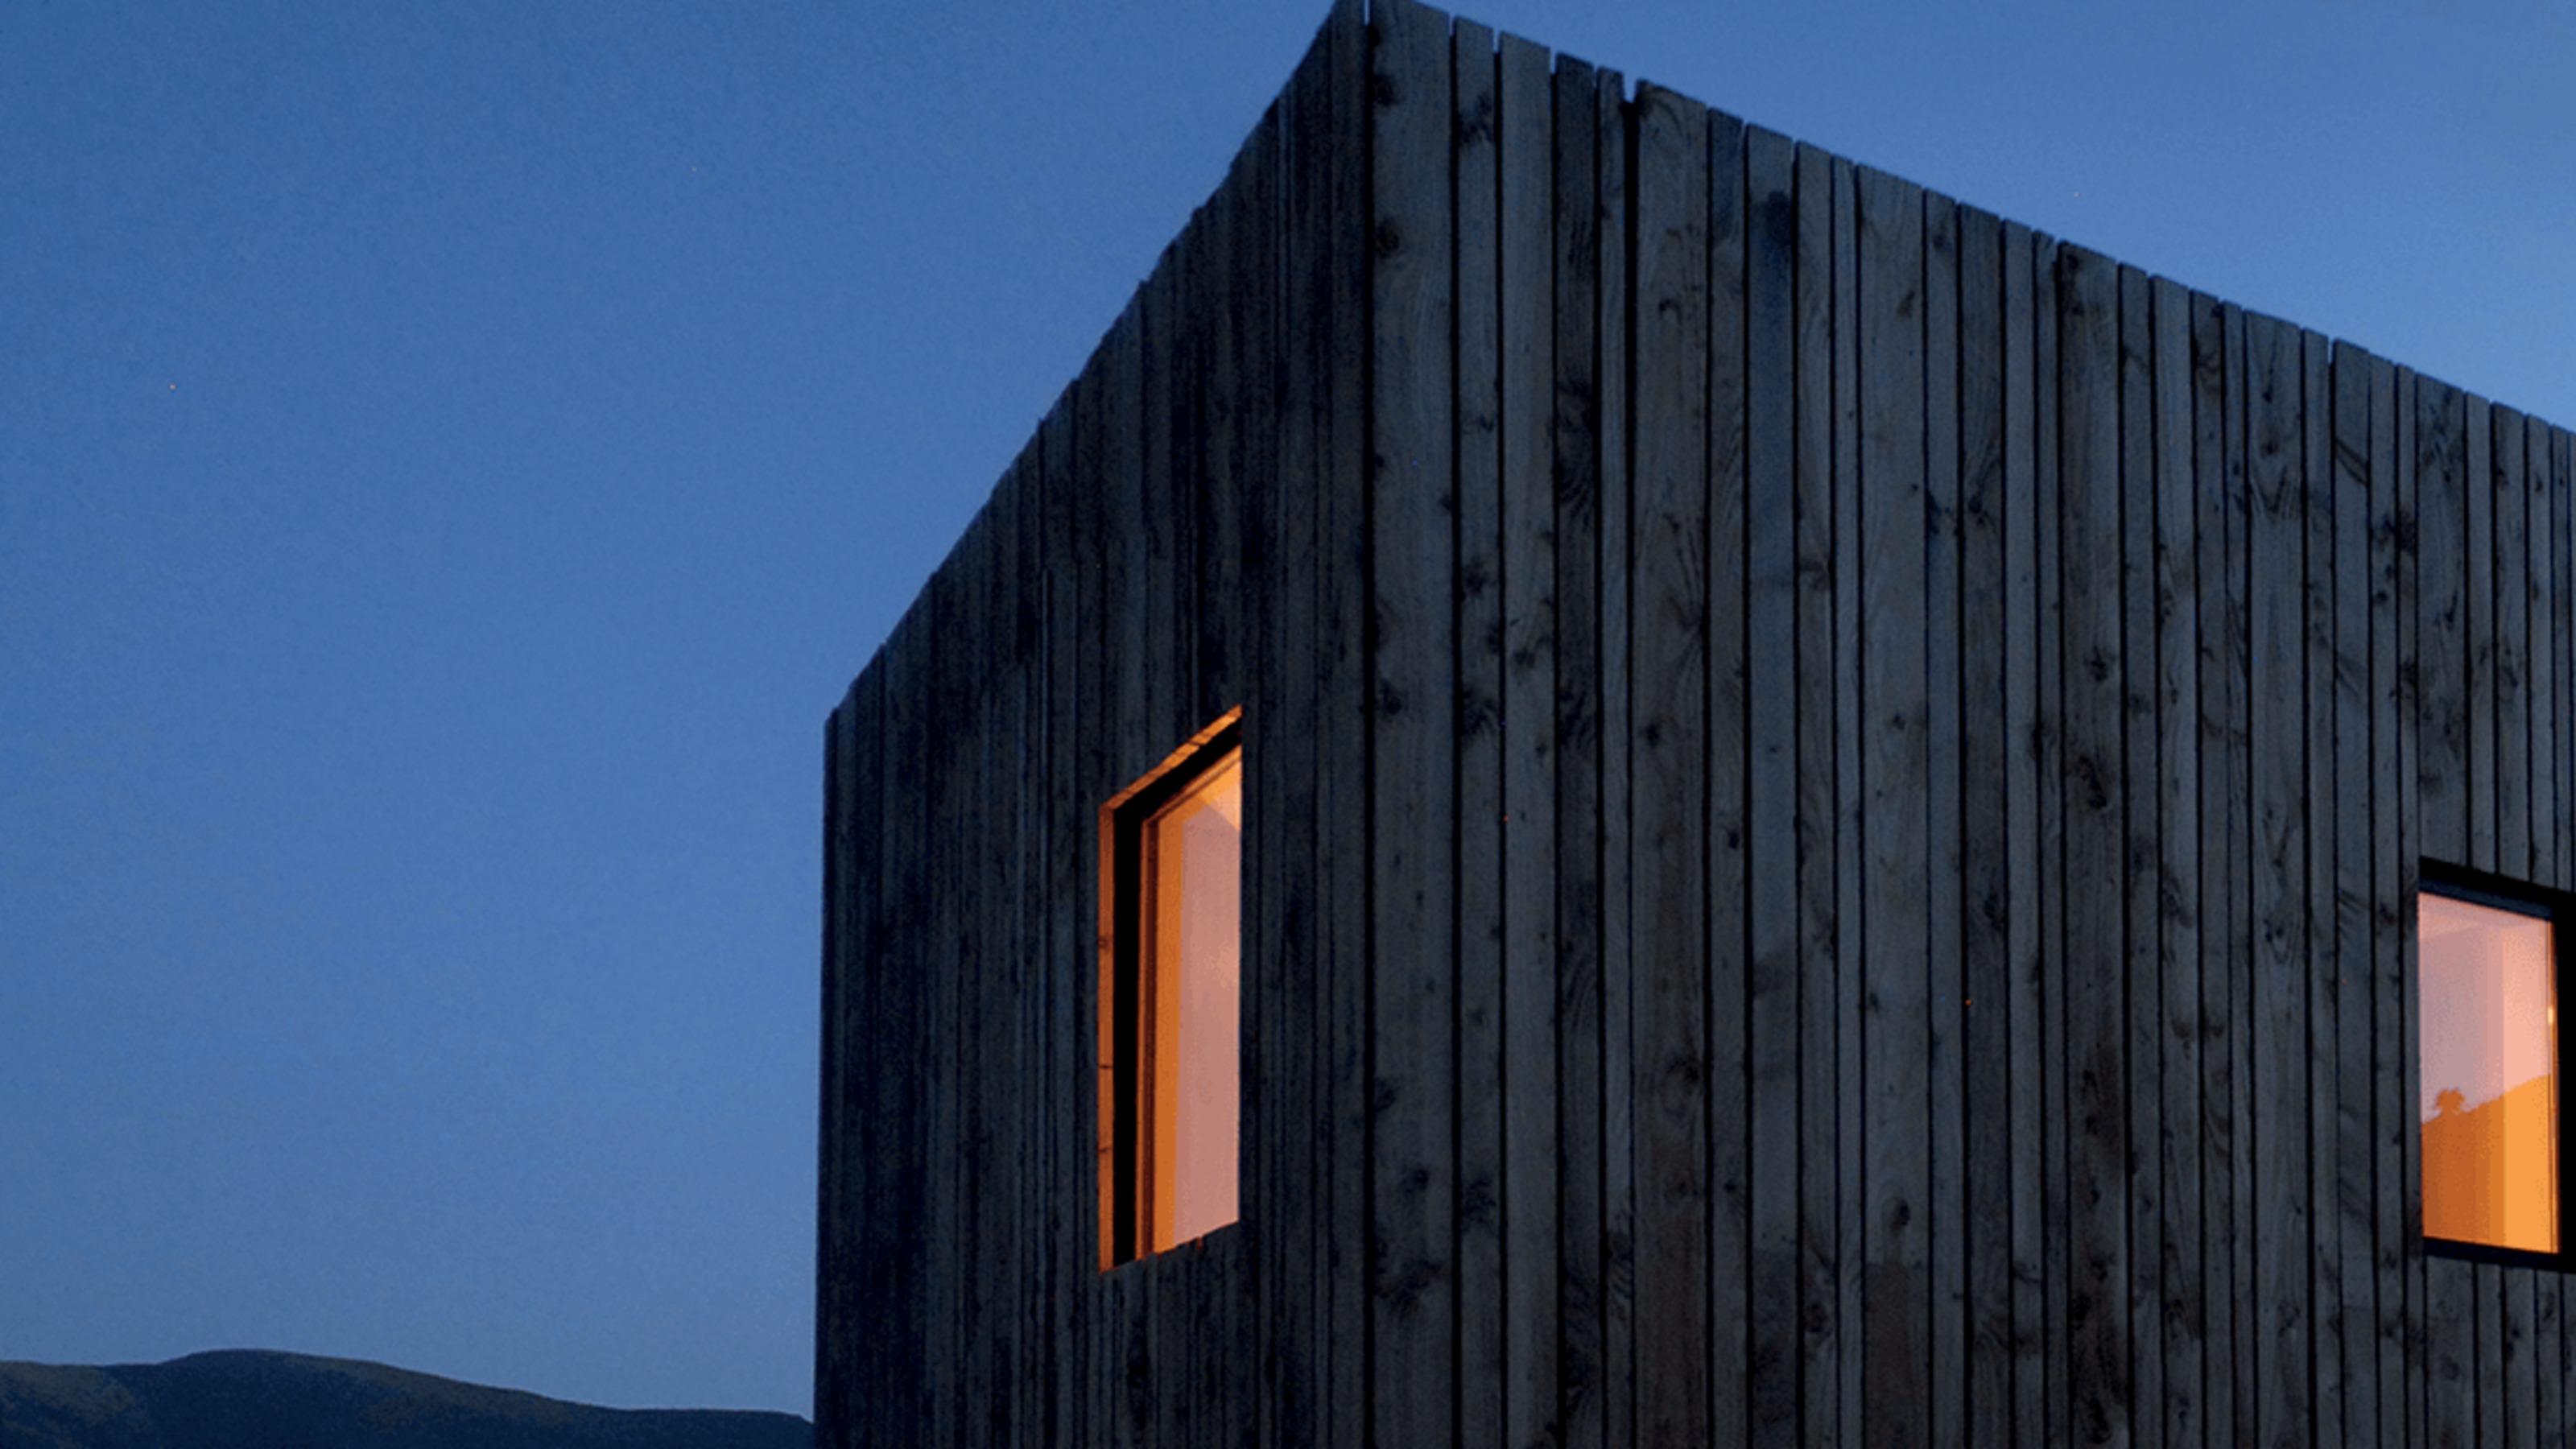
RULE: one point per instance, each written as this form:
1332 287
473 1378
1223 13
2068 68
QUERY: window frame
1123 1038
2523 898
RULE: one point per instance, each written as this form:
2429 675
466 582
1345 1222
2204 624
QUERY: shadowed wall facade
1833 794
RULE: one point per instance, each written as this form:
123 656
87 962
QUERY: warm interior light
2489 1054
1194 850
1171 999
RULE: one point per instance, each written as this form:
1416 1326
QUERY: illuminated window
1171 998
2487 989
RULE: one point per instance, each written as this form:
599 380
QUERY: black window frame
2522 898
1127 814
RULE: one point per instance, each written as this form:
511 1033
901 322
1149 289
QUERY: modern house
1608 780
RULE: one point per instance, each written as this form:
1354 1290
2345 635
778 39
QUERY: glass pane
2490 1068
1194 849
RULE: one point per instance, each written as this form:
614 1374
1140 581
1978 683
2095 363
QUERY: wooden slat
2485 649
2245 928
1098 774
1412 683
2512 582
2140 680
1667 905
1479 636
2540 534
2177 1229
1585 1286
1894 1044
893 1407
2392 1122
1946 1225
1850 981
1816 957
2026 950
2097 1345
2277 719
1728 1149
2396 1037
1166 384
1092 779
1530 757
1025 896
1618 1056
1342 732
2348 471
2049 732
1985 740
854 1145
954 955
1284 730
2316 485
1771 688
1067 1166
2217 510
1001 1087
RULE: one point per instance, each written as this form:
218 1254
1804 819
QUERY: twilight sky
452 457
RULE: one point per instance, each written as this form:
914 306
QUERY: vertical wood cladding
1834 797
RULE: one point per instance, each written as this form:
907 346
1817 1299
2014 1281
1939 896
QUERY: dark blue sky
452 457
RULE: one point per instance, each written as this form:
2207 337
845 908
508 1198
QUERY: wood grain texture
1985 740
2028 1002
1475 187
1584 1285
2218 535
2180 1322
1728 1147
1771 912
1411 805
2048 734
1667 908
1835 797
1894 1044
1614 145
2091 646
1343 256
1525 239
1817 957
1945 1289
2140 865
2357 1339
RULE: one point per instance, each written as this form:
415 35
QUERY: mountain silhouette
253 1399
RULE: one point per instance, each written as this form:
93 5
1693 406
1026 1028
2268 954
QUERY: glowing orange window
1171 998
2487 992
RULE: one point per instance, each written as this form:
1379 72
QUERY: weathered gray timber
1834 797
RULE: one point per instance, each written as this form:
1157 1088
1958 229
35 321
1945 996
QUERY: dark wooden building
1834 793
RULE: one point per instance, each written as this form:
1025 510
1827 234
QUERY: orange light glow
2489 1054
1194 849
1170 1022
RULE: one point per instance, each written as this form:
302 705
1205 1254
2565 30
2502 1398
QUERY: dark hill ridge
251 1399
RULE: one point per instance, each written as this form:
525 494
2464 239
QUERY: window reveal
2488 1053
1171 994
